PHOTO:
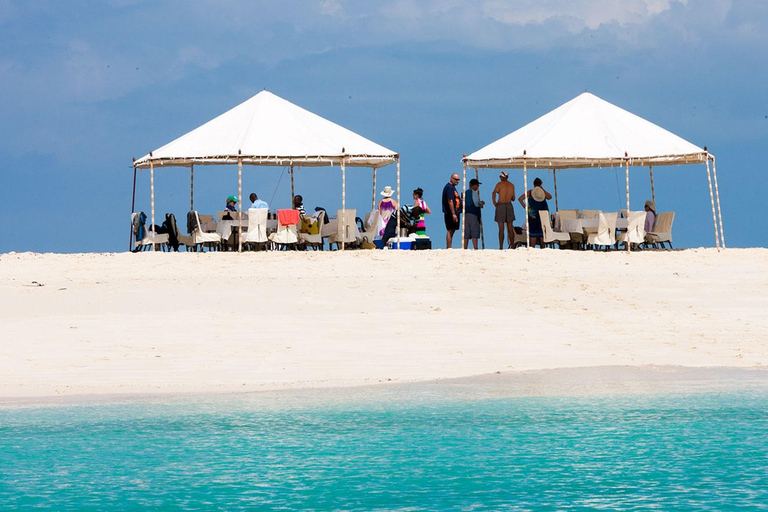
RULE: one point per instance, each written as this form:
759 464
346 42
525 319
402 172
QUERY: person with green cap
232 203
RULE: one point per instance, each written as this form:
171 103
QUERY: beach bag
310 226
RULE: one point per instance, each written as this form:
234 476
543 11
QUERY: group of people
298 203
502 197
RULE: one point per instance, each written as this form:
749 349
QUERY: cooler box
405 244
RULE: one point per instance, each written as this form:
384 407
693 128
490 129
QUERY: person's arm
546 194
426 208
493 195
522 196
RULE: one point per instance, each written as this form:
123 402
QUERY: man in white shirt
257 203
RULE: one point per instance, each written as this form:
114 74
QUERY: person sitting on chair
256 202
298 204
650 215
232 203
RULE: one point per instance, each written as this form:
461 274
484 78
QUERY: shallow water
409 451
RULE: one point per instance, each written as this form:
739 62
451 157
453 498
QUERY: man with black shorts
503 196
451 209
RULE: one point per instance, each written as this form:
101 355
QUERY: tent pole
525 213
554 178
373 196
717 197
653 190
343 201
482 235
712 201
463 206
133 207
293 190
239 203
191 187
152 194
629 244
398 202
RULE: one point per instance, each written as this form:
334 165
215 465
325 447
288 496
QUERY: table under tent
267 130
589 132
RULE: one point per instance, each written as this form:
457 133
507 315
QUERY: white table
579 225
225 227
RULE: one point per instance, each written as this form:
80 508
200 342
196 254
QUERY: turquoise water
429 452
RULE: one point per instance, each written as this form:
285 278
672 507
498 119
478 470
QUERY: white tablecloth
224 227
578 225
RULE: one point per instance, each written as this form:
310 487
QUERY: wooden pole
373 196
239 202
525 213
653 190
293 190
191 187
463 205
629 244
152 197
717 197
480 218
398 201
554 178
343 202
133 205
712 201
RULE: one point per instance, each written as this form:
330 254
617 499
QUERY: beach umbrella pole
482 235
239 202
398 201
525 213
191 187
343 201
626 162
554 179
712 202
463 205
717 198
152 198
133 207
373 195
293 190
653 190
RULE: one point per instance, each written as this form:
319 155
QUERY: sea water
428 451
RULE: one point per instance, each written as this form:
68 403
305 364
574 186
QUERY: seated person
298 204
409 218
232 203
256 202
650 216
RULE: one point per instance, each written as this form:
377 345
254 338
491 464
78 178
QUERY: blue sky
87 85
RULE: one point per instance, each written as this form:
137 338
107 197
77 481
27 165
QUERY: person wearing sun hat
387 206
650 215
232 203
537 201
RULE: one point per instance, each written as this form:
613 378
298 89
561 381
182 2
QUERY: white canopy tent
590 132
268 130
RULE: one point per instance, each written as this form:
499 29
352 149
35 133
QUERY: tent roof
587 132
268 130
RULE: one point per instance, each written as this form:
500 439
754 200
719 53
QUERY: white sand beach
112 324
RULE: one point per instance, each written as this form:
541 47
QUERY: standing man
505 212
451 208
472 213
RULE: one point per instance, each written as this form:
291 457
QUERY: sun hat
232 198
387 192
503 174
538 194
650 204
473 181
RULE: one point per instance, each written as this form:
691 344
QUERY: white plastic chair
551 236
285 236
315 240
635 233
202 239
346 228
371 225
257 228
606 231
160 241
662 230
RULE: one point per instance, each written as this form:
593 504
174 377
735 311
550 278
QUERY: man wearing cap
472 213
451 209
502 197
232 203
